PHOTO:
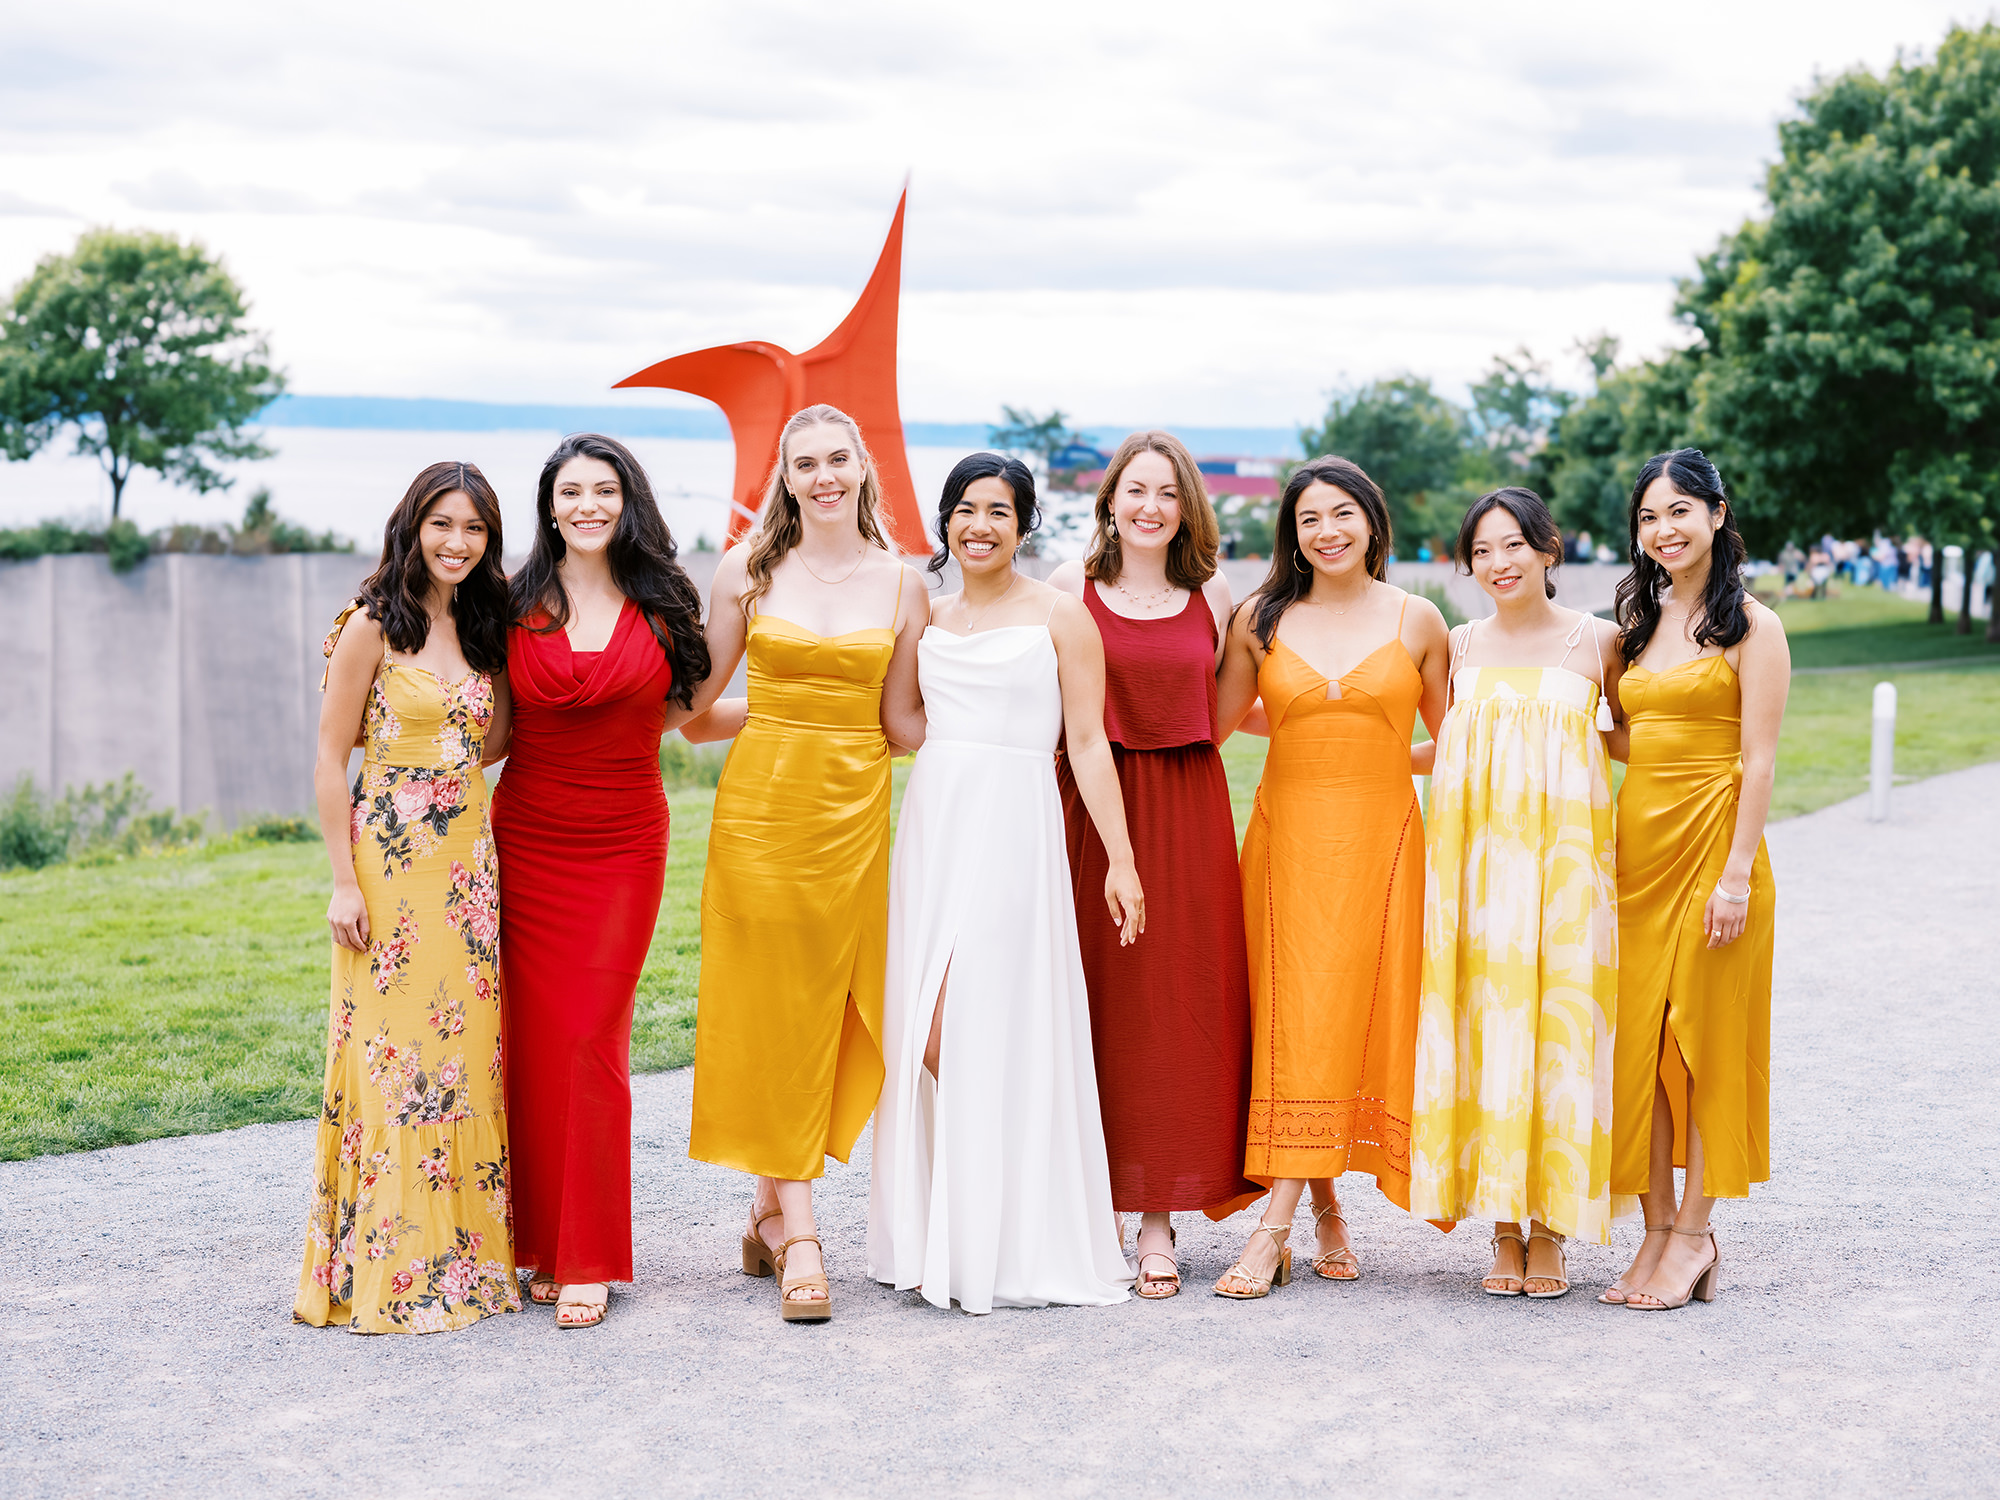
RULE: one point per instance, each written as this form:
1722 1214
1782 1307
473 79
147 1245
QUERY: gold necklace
973 624
834 582
1146 601
1315 604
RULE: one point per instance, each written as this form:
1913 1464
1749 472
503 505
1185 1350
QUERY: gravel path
1855 1342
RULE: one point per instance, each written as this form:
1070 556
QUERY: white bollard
1882 757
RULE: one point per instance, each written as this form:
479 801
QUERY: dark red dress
581 821
1169 1015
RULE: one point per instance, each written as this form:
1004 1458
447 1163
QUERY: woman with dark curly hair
605 656
408 1232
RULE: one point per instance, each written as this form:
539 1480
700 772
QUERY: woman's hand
1723 921
1126 900
347 915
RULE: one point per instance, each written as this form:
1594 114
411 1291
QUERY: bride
990 1184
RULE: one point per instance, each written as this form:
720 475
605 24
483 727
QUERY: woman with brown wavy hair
795 905
1170 1017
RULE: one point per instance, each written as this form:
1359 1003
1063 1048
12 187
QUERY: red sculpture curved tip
758 385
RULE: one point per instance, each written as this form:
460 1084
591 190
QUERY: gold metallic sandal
1335 1265
1260 1286
1561 1278
802 1309
1147 1280
1519 1282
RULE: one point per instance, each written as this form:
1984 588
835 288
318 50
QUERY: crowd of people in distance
1061 991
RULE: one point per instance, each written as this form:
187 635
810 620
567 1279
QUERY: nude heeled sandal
1147 1280
544 1289
1260 1286
1701 1289
1562 1265
1341 1257
1614 1295
1520 1283
802 1309
758 1257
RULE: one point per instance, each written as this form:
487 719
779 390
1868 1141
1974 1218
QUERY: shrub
685 765
275 830
261 533
1436 594
28 838
91 824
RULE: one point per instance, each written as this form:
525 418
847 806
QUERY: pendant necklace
833 582
973 624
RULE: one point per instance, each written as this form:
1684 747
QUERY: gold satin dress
795 909
1676 820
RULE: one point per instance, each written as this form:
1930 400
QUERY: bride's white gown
990 1186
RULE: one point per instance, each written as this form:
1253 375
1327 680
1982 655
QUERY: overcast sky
1156 212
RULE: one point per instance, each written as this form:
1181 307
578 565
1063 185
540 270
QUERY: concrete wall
201 674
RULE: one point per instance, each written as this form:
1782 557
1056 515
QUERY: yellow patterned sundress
410 1229
1512 1116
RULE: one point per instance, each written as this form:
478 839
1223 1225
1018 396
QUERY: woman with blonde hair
1170 1017
795 905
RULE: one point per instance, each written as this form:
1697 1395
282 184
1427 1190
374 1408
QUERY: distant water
348 480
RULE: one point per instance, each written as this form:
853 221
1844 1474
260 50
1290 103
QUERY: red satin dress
1170 1014
581 821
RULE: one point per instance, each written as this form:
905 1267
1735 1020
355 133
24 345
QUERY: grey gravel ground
1855 1343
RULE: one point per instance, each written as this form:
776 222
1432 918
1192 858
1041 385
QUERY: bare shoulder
360 632
1425 616
731 572
1068 577
1065 611
1763 619
1216 592
914 601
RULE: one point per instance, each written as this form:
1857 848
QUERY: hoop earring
1299 562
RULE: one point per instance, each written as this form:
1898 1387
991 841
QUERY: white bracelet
1733 900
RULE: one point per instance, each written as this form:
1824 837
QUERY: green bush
275 830
1436 594
89 825
261 533
685 765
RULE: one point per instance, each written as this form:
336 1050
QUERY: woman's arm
1220 608
723 721
349 677
1617 743
902 702
1765 672
1068 577
725 630
1080 664
1428 640
500 732
1236 681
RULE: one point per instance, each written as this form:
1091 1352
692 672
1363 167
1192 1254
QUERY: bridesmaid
1707 672
409 1226
1520 989
990 1185
1333 873
1170 1017
795 905
606 654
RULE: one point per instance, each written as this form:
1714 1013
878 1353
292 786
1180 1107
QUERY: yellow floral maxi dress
410 1227
1512 1112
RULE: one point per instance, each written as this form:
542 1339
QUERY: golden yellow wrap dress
795 909
1513 1107
411 1228
1676 819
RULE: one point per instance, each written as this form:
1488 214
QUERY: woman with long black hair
1707 669
605 656
408 1232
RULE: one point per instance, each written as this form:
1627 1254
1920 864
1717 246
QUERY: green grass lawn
187 992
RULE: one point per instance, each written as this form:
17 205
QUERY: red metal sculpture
759 385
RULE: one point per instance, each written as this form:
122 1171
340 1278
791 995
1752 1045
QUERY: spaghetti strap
1461 642
1570 640
897 608
1053 605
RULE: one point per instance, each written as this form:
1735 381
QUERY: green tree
1515 409
1408 438
138 342
1851 336
1021 431
1601 441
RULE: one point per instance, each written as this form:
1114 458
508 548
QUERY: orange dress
1333 900
1685 1009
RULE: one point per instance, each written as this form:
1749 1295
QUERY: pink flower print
481 988
357 823
448 791
350 1143
412 800
401 1282
448 1073
484 922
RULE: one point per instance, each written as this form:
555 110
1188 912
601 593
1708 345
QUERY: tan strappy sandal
758 1257
1329 1266
1701 1289
1260 1286
544 1289
802 1309
1519 1283
1536 1232
1147 1280
1614 1295
596 1310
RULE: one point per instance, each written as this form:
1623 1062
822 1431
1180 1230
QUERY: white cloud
1144 212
